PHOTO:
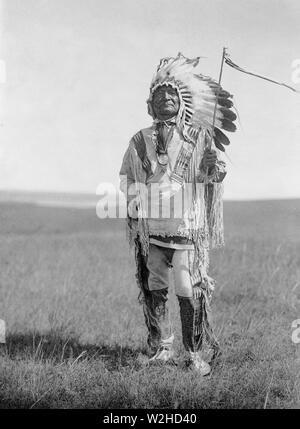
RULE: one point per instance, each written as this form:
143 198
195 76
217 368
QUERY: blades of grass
268 391
78 357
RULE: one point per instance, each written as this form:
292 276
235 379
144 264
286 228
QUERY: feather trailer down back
198 95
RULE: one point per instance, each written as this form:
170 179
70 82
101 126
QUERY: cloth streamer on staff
230 63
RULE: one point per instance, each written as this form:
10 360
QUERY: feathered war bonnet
197 94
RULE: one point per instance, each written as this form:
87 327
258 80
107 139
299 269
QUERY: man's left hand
209 159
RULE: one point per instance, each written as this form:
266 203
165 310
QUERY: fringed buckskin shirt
167 209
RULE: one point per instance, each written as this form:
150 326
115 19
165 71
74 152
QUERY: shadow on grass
50 346
245 383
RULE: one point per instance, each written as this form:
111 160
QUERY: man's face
165 102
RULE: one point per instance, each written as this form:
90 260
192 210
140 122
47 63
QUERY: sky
78 75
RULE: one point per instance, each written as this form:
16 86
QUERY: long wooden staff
215 108
217 97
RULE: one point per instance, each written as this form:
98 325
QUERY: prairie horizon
86 199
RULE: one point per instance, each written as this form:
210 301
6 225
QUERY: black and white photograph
149 207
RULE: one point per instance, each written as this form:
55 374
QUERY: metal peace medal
162 158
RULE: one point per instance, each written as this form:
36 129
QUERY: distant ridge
55 199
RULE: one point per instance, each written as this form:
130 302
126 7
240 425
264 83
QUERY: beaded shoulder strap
140 147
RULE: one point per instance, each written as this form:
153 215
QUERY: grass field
75 328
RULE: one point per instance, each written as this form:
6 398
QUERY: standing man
172 176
